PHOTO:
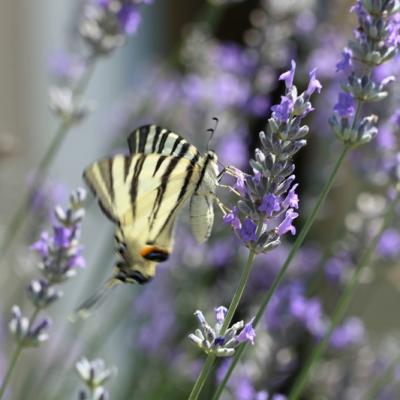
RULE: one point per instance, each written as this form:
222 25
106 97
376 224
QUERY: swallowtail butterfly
143 193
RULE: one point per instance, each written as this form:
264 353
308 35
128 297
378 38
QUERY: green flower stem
15 356
341 307
20 215
207 367
382 381
278 279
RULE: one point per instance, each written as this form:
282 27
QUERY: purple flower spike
288 76
286 224
314 84
345 105
247 334
232 219
345 64
248 231
270 204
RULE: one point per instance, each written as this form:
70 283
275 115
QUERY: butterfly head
136 263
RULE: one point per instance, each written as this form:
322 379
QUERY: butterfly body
144 192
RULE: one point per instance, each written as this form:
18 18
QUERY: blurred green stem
278 279
15 356
22 211
207 367
381 382
341 307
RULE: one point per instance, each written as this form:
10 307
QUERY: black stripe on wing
162 188
135 183
183 191
155 139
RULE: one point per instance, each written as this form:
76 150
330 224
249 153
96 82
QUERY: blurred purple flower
221 252
335 268
345 105
386 139
345 64
233 150
66 68
389 243
350 333
129 18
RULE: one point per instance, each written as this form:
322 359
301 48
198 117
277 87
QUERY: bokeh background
186 63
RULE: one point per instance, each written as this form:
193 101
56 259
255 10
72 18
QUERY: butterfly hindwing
201 217
155 139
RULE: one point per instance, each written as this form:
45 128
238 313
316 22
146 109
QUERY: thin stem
21 212
278 279
341 307
381 381
207 367
15 356
201 379
242 284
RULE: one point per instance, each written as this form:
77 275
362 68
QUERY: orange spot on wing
150 249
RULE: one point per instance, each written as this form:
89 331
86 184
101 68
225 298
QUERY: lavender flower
267 197
60 255
376 41
94 374
350 333
106 23
211 341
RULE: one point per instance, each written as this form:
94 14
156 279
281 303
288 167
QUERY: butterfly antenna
212 131
93 302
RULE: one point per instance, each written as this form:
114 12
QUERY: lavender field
287 115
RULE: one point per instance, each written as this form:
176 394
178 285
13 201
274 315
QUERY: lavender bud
18 324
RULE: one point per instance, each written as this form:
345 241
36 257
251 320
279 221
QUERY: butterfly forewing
154 139
143 191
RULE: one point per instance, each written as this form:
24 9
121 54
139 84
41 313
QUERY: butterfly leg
224 209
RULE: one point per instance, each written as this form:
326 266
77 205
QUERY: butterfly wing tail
94 301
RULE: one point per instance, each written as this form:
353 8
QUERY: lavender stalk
60 256
94 374
376 41
341 307
104 28
265 210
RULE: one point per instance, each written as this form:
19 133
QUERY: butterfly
143 193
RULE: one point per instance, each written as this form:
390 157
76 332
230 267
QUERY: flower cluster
104 27
60 255
376 41
94 374
268 197
106 23
212 340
